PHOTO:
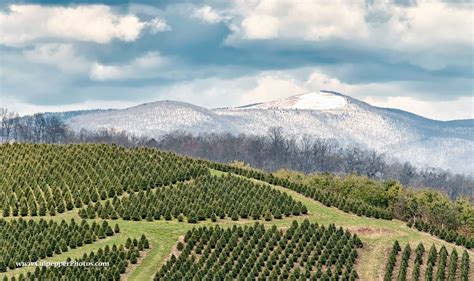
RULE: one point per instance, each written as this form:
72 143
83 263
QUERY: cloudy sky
61 55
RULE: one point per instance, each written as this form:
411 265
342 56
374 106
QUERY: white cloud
430 22
157 25
142 67
423 34
272 85
65 58
276 85
265 86
308 20
208 15
261 27
24 24
460 108
23 108
427 22
105 72
62 56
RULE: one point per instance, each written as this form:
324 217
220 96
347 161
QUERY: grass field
377 236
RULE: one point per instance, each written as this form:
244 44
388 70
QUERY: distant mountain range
325 114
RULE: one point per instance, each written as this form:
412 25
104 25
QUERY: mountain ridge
325 115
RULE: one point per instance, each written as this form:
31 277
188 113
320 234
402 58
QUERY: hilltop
324 115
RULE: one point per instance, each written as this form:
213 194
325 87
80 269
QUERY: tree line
269 152
37 128
275 151
426 210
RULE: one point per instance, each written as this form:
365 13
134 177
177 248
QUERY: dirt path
371 256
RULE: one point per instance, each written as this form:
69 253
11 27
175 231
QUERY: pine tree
3 266
235 216
268 216
192 218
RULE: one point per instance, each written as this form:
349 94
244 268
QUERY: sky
63 55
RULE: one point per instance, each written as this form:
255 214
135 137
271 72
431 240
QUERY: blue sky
61 55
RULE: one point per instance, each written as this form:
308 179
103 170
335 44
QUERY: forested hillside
427 211
269 151
275 151
135 209
423 206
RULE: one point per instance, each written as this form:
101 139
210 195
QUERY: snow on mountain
329 115
322 100
154 119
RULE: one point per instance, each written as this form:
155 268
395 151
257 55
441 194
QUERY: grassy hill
377 235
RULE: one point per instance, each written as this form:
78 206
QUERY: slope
325 114
154 119
377 236
396 133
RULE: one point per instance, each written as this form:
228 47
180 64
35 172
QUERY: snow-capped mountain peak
322 100
323 115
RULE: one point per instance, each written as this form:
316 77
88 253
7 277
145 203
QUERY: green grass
377 235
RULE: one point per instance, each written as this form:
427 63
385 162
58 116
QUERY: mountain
154 119
325 114
323 100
